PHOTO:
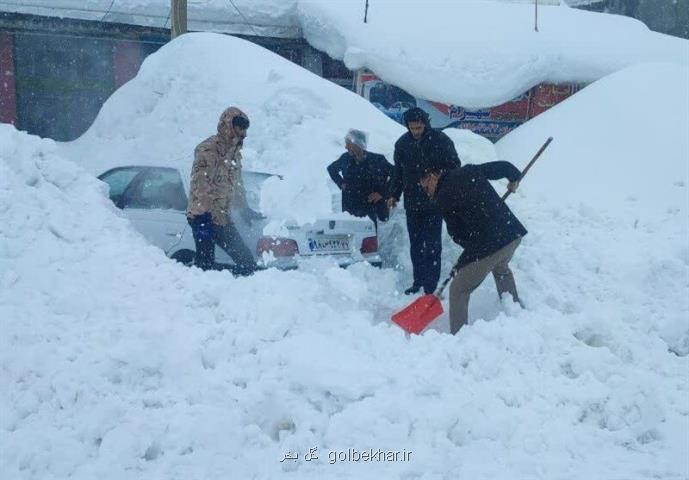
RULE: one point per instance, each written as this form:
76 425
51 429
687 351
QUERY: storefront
56 73
491 123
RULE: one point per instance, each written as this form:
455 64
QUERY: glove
203 226
374 197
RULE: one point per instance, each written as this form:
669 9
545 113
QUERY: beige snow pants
469 277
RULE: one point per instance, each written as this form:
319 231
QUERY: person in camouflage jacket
216 187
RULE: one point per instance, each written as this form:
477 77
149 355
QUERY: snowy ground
118 363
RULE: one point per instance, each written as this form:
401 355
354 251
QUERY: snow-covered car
154 199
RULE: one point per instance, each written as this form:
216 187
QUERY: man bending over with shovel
480 221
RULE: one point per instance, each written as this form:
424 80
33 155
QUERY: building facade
56 73
59 63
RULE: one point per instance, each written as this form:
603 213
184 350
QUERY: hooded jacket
216 180
414 157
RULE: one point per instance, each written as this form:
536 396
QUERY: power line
125 12
109 8
246 22
69 9
169 12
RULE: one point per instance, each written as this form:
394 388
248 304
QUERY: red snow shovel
422 311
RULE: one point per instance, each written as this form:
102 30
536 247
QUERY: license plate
329 243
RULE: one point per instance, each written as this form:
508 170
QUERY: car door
155 202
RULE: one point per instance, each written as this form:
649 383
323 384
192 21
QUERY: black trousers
378 211
207 235
374 211
425 239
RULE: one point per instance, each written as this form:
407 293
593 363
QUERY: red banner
8 91
548 95
126 60
492 122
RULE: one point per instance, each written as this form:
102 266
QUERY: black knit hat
415 115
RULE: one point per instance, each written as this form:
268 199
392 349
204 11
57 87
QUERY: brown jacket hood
225 130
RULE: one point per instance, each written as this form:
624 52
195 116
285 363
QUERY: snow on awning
268 18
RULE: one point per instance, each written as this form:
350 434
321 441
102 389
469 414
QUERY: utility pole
178 14
536 15
366 12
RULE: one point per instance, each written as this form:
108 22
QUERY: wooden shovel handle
530 164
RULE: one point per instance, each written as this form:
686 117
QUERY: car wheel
185 257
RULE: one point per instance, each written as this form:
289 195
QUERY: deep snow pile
481 53
613 163
113 357
298 120
298 126
117 363
613 150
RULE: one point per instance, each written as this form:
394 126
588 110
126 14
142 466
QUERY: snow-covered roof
581 3
245 17
474 53
275 18
480 53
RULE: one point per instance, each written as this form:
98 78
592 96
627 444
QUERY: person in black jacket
479 221
415 151
363 177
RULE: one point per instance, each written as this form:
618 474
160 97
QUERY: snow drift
614 150
116 362
298 120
